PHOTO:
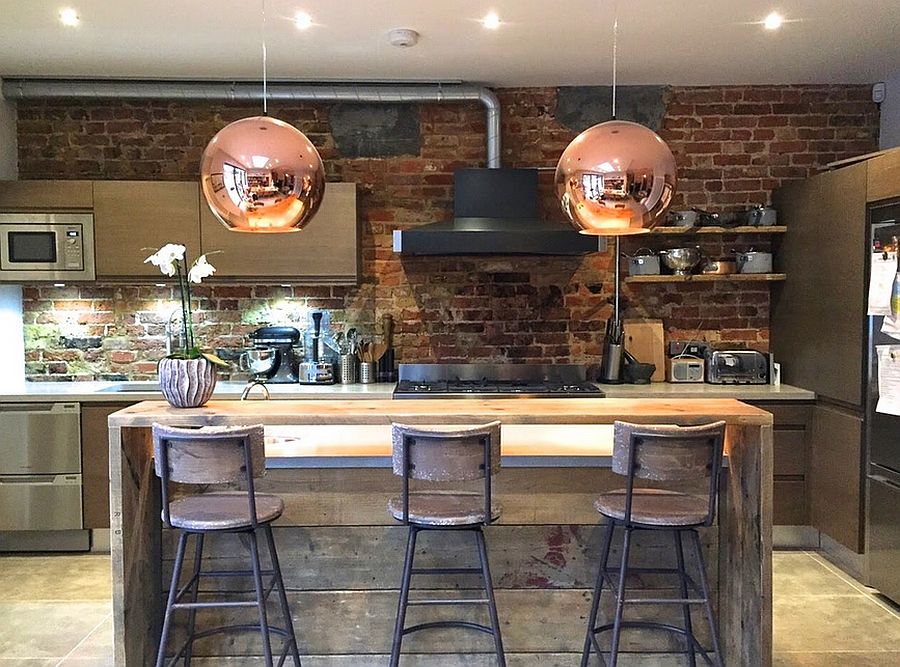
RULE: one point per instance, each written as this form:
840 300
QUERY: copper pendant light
616 178
261 174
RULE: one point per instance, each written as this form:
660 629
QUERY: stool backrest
209 455
669 453
446 454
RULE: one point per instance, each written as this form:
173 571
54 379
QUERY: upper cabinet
46 195
325 252
133 218
884 176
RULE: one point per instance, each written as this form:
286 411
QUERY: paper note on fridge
890 325
888 379
881 282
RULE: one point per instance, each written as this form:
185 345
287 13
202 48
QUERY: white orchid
200 270
166 257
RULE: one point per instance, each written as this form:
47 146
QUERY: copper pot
720 266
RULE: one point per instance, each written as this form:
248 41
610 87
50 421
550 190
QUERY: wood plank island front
342 554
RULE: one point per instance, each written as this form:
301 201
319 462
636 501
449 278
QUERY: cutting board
646 341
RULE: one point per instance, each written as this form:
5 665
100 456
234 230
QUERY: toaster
737 367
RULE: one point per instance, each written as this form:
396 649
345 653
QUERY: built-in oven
46 247
40 477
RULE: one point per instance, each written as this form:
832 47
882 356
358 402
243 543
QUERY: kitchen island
341 553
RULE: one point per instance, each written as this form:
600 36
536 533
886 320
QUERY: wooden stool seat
655 507
223 511
444 508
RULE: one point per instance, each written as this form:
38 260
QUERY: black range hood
495 213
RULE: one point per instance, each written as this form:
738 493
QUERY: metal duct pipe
35 89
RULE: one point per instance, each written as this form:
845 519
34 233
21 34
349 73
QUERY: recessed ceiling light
491 21
69 17
302 20
773 21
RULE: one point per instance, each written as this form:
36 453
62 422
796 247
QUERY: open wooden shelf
773 229
708 277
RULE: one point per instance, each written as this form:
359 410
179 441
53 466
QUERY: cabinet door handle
885 480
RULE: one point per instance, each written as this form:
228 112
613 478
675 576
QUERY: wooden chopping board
646 341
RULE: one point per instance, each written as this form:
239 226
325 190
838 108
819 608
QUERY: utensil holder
367 372
349 372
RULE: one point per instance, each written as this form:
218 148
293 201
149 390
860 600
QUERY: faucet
255 383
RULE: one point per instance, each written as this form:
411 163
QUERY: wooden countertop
446 411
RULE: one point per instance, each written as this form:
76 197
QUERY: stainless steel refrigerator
882 439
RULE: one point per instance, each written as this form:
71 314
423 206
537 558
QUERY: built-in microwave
46 247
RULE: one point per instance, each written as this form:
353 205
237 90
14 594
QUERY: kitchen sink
131 387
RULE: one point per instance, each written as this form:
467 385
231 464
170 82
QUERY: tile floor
55 610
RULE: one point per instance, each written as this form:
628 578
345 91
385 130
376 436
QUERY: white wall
8 151
890 113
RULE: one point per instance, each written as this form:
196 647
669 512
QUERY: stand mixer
272 358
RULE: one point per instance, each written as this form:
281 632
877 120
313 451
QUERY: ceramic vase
187 383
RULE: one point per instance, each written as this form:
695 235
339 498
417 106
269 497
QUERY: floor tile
28 662
838 659
53 578
96 646
798 573
48 629
849 623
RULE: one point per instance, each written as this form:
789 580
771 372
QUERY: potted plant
188 375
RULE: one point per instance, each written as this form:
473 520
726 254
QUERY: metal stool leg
173 591
282 596
260 599
404 596
489 592
685 608
598 589
704 585
192 614
620 599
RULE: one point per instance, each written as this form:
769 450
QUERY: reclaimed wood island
342 554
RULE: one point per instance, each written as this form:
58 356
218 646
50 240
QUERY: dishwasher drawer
40 438
40 502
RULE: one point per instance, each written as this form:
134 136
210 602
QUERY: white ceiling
541 42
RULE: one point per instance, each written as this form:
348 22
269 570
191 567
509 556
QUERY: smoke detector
403 37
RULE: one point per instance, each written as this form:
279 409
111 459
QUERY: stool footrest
423 603
652 625
448 624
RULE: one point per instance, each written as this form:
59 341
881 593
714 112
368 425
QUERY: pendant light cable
265 92
615 60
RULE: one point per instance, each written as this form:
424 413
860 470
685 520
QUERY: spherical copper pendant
616 178
261 174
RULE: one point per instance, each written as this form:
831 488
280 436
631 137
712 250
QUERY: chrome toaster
737 367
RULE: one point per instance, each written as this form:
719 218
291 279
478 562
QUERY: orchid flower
200 270
166 257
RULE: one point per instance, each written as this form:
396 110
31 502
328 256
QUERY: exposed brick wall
733 146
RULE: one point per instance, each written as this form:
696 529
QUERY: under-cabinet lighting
59 284
302 20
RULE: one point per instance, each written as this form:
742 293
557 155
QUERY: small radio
685 369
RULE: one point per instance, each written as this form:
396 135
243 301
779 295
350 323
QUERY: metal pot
682 218
681 260
754 262
643 263
720 266
762 216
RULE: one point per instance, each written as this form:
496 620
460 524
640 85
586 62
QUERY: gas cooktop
493 381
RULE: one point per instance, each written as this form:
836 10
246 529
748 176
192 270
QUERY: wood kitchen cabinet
325 252
132 216
95 462
818 314
835 475
791 461
883 176
46 195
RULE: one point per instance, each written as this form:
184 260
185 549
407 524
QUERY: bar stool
446 455
219 455
661 454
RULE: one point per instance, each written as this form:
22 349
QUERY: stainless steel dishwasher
40 477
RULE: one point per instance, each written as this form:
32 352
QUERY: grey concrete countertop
132 392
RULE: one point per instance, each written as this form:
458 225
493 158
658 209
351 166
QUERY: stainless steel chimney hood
495 213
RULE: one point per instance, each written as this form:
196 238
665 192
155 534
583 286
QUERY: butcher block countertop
447 411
